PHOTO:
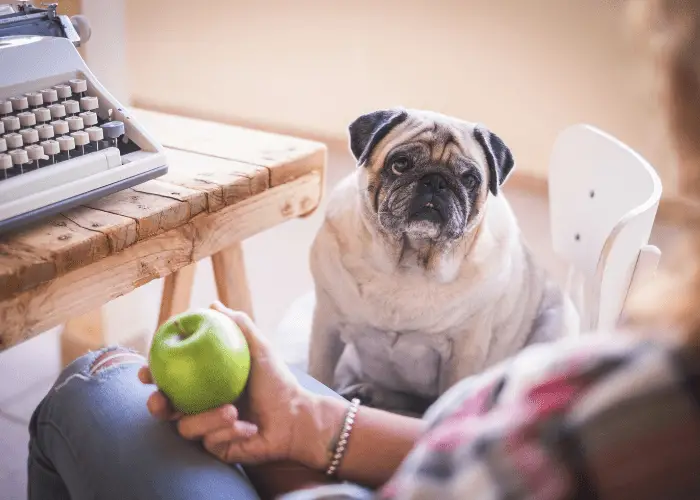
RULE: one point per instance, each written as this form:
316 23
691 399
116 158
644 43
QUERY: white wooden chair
603 200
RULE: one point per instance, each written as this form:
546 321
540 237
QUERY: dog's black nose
434 182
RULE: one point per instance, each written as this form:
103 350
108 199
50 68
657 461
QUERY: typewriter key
43 115
95 134
35 99
35 153
82 139
63 91
19 103
5 108
14 140
78 86
45 131
50 96
26 119
88 103
113 131
19 158
60 127
11 123
29 136
5 163
67 144
89 118
51 149
57 110
72 107
74 123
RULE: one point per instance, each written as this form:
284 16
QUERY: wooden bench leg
177 291
126 321
92 331
80 335
231 281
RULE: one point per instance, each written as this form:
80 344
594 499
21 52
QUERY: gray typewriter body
29 20
64 139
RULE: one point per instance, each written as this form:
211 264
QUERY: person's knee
91 367
96 363
89 379
112 357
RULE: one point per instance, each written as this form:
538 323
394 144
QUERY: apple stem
182 331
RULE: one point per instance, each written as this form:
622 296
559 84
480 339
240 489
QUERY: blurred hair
672 29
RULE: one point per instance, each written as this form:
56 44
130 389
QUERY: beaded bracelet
341 446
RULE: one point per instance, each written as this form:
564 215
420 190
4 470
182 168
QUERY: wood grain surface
224 184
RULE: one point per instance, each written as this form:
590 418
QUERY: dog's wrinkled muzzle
431 199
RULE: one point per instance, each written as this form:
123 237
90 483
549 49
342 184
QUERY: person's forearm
378 443
275 479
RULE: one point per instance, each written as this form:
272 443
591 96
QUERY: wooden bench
224 184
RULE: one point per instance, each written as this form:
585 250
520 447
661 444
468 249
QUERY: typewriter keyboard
50 126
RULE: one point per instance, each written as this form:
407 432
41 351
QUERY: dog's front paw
375 397
363 392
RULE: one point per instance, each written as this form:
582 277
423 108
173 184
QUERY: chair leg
644 270
575 288
647 264
231 280
177 291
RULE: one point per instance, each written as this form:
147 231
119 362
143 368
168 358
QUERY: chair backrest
603 201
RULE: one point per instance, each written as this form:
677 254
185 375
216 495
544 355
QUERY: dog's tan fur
402 314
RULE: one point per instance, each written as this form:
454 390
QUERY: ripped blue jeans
92 437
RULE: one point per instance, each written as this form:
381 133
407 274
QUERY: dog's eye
469 180
400 165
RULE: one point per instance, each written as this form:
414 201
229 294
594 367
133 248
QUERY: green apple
200 360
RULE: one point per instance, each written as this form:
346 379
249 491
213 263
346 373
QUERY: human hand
270 422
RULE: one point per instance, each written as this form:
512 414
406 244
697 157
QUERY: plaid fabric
597 417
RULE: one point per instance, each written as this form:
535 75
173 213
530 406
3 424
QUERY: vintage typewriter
64 140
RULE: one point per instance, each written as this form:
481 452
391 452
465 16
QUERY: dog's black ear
367 130
498 156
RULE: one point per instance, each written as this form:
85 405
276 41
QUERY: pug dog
421 274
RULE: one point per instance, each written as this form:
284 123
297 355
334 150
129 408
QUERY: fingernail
248 428
229 413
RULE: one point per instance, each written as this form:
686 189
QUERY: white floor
277 267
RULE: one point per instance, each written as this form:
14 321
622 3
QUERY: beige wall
525 68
